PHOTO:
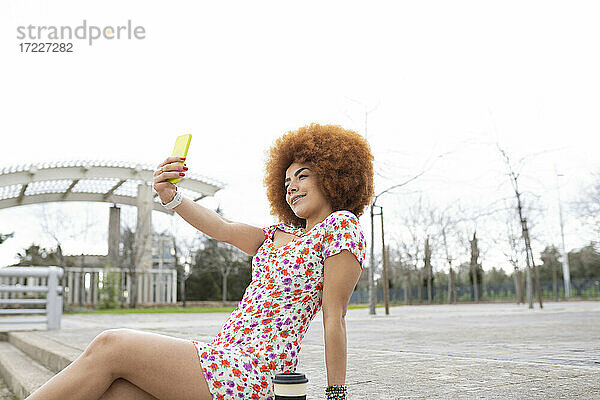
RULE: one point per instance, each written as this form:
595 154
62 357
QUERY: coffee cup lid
290 378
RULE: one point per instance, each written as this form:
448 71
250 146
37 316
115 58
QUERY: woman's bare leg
122 389
165 367
87 377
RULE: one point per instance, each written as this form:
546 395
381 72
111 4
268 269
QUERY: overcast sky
443 82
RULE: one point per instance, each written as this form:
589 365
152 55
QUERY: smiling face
301 180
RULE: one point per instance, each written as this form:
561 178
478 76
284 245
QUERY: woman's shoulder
343 215
343 231
341 219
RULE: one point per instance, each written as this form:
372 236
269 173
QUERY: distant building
163 252
163 255
84 274
86 260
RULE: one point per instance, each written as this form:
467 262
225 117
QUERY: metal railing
581 288
53 300
82 285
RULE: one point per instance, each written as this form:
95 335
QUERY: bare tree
419 222
220 257
413 223
411 252
184 251
447 221
142 241
530 259
587 206
514 250
468 223
428 268
396 262
61 226
134 244
127 260
474 266
399 266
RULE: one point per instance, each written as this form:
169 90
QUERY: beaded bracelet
336 392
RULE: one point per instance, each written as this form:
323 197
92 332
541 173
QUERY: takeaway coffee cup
290 386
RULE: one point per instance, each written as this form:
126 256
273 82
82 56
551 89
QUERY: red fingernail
181 174
185 168
182 158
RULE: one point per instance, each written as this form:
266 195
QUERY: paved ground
487 351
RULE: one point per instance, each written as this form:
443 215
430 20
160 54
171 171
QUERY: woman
319 179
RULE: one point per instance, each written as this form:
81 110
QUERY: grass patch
174 310
355 306
169 310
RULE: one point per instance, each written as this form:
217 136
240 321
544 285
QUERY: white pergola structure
100 181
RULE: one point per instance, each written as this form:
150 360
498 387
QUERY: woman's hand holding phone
168 169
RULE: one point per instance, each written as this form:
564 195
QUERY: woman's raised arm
245 237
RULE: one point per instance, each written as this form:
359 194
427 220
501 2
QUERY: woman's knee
106 342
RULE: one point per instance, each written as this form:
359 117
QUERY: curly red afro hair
341 159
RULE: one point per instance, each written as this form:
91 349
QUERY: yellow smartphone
182 143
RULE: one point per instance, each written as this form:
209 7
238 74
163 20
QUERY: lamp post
385 283
566 272
372 293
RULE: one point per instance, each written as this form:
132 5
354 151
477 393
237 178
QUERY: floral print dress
262 335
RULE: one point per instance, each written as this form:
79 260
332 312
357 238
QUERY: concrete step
52 354
21 374
5 393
